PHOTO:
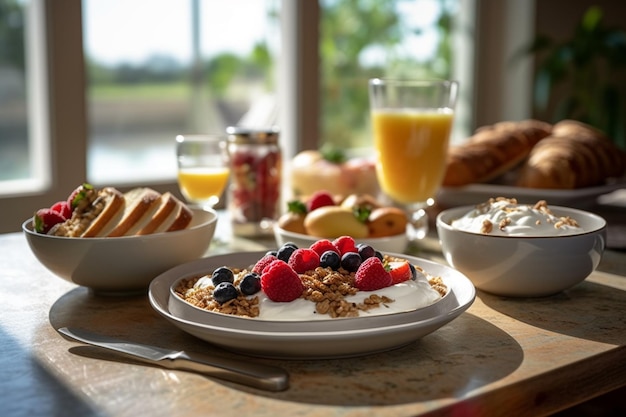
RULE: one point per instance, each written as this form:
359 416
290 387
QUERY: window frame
298 91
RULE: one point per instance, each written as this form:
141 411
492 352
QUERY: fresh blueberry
350 261
272 252
379 255
250 284
222 274
285 251
366 251
330 259
225 291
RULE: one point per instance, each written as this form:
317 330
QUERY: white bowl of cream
518 250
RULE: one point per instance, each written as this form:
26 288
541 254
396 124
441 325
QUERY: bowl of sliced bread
114 242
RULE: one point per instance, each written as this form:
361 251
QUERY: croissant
492 151
575 155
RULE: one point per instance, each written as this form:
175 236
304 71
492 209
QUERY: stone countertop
530 356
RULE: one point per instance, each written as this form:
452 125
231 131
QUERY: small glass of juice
203 168
411 124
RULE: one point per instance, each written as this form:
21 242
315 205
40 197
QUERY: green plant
583 78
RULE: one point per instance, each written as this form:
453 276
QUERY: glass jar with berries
254 192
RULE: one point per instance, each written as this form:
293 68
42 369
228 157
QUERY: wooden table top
501 357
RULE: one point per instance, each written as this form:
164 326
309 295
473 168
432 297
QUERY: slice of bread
166 206
139 201
113 209
182 219
178 219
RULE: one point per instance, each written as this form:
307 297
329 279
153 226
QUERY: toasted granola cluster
541 206
325 287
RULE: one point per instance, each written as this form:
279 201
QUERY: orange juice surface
411 151
203 184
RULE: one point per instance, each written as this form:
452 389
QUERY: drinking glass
411 123
203 168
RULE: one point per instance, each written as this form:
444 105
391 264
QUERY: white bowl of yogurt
521 250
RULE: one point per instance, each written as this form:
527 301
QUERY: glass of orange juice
411 123
203 168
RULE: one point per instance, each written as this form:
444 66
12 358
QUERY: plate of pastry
477 193
569 163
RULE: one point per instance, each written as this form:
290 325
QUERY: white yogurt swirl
407 296
505 217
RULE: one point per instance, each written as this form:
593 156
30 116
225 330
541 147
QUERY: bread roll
574 156
492 151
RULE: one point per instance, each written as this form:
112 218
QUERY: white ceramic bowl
524 266
121 264
394 244
310 339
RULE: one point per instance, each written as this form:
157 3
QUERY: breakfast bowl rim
28 229
286 326
446 225
285 232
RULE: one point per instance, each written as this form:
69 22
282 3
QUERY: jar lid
248 135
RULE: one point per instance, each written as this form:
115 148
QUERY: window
24 154
362 39
172 67
79 90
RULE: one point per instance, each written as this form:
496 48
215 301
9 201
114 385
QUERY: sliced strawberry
320 199
400 271
45 218
372 275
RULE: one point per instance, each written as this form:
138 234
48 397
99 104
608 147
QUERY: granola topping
505 217
328 294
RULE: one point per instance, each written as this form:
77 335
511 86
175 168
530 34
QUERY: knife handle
257 375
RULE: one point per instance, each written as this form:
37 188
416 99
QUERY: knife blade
267 377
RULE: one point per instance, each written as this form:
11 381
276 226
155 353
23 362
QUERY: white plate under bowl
331 338
478 193
396 244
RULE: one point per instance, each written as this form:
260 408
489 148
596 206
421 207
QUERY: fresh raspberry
400 271
345 244
323 245
63 208
262 263
45 218
319 199
304 259
372 275
281 283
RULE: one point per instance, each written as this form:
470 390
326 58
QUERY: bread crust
535 154
138 203
576 155
109 213
183 217
492 151
166 206
114 204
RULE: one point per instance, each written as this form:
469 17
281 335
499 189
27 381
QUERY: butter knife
270 378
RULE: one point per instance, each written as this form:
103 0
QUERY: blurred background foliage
359 39
583 77
350 31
